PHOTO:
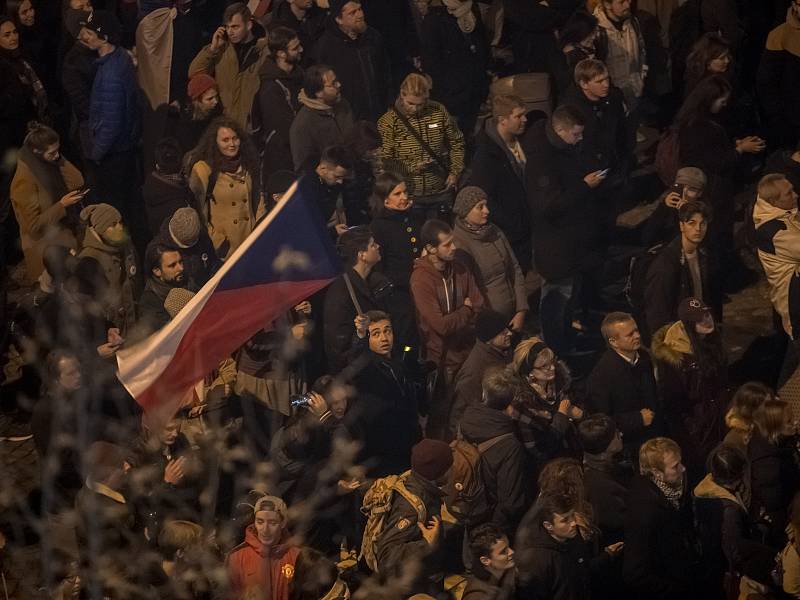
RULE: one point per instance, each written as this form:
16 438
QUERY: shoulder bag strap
425 146
485 446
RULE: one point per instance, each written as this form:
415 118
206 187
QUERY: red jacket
252 569
445 322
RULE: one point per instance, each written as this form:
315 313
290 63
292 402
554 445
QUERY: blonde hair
522 350
768 187
505 104
653 452
416 85
178 535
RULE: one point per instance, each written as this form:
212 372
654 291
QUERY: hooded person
692 379
106 240
263 563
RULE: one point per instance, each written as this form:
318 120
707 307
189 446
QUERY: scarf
481 232
230 165
312 103
462 11
28 77
47 175
176 179
673 493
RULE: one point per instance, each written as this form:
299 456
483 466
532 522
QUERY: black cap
489 324
105 25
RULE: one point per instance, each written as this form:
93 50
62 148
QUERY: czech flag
287 258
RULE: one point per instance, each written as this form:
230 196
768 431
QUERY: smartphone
604 172
84 191
678 189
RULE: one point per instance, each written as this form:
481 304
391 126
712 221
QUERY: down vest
114 106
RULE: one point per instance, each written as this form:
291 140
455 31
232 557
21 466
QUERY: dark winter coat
774 478
606 491
277 107
114 112
778 81
17 106
781 162
548 570
491 588
162 197
456 61
621 390
692 393
495 170
723 17
77 76
503 465
469 379
669 281
182 125
564 225
309 30
384 417
340 312
314 130
605 141
362 67
660 555
730 538
397 233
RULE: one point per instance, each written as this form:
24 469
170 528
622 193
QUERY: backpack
465 492
636 282
376 507
668 156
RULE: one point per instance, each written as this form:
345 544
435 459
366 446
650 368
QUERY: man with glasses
622 384
324 119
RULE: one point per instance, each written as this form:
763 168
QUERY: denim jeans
557 301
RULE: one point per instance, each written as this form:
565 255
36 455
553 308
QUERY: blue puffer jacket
114 107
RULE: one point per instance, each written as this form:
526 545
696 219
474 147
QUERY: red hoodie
445 322
252 568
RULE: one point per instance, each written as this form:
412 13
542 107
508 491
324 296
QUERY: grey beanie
466 200
691 176
184 227
176 299
101 216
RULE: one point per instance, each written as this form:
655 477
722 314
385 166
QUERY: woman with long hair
703 142
692 379
710 55
224 180
396 229
542 407
773 469
739 418
44 187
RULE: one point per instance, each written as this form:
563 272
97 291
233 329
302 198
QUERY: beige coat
236 88
229 215
40 216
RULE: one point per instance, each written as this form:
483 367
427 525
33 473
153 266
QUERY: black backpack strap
425 146
212 183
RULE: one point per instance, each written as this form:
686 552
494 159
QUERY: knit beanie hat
489 324
105 25
199 84
101 216
691 176
692 310
184 227
466 200
431 459
336 7
176 299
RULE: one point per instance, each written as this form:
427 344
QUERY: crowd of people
432 424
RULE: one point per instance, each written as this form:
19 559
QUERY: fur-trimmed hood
671 344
